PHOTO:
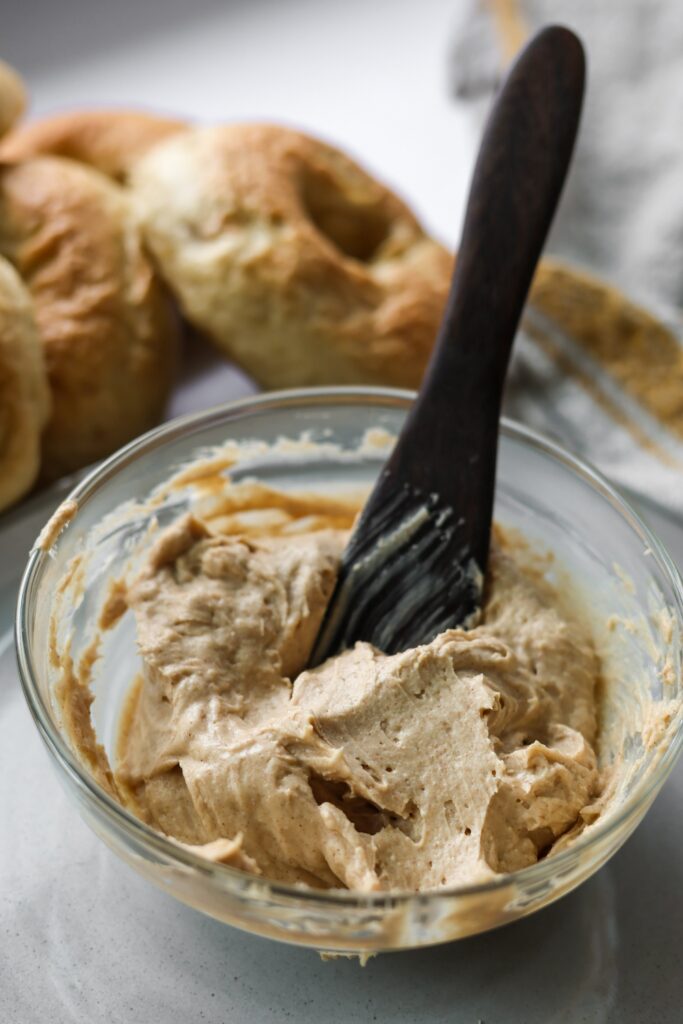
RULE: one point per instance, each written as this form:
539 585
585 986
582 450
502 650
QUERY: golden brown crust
12 97
24 395
297 263
109 140
107 331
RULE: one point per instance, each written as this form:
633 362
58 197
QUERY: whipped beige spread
443 765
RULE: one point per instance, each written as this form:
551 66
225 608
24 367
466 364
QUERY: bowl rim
260 887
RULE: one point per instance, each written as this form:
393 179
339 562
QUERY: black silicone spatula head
416 562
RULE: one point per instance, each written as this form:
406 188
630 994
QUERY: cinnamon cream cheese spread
443 765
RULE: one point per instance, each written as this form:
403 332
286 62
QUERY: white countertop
81 937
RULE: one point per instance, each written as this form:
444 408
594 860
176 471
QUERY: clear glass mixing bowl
553 498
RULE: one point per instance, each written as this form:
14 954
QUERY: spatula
416 562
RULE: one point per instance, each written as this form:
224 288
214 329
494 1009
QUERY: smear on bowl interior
473 755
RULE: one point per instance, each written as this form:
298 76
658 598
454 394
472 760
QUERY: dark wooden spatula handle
416 561
517 181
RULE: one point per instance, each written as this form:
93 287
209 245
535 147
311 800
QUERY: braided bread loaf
108 333
107 329
111 141
297 263
24 394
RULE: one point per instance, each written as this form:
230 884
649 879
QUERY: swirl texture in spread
440 766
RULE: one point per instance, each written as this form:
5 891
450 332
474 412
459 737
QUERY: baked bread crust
107 329
297 263
109 140
12 97
24 394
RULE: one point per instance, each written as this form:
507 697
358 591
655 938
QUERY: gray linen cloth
598 371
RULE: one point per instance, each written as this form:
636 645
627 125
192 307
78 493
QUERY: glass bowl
629 586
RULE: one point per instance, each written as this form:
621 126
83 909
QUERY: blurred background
373 77
401 84
404 87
